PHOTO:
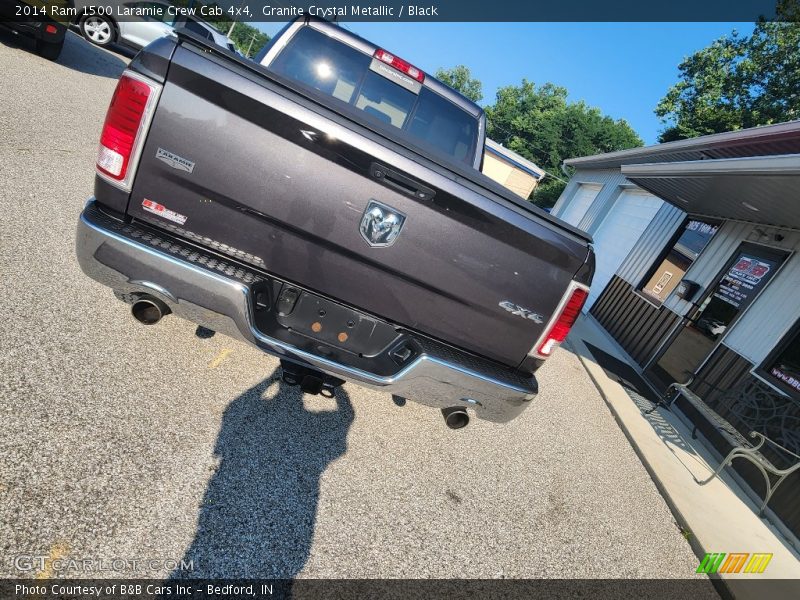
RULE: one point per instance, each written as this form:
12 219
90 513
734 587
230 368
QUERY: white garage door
581 201
618 232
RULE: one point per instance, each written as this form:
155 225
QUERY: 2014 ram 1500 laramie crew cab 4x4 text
324 203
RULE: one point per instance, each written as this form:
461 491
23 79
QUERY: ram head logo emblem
381 224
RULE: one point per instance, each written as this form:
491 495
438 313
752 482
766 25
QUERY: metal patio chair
758 409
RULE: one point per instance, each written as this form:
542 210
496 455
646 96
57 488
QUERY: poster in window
662 282
785 366
744 280
793 381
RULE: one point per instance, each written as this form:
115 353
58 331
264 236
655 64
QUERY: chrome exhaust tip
455 417
148 310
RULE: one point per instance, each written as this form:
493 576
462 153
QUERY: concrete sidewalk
717 517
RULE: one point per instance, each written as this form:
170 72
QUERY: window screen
443 125
326 65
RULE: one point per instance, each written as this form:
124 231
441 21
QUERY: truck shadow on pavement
258 513
78 54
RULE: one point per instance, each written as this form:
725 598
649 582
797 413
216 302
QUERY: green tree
737 82
248 39
541 125
460 79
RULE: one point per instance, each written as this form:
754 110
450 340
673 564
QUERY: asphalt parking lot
120 441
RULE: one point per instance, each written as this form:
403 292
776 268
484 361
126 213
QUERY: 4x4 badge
516 309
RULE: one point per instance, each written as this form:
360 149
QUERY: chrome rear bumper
216 294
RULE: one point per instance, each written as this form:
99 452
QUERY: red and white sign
163 211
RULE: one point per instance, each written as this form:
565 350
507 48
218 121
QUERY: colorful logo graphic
735 562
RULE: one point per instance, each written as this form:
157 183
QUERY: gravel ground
123 441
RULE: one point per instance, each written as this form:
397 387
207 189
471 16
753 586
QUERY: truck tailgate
264 175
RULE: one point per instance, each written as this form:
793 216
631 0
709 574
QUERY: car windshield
326 65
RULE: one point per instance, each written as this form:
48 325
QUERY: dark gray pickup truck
324 203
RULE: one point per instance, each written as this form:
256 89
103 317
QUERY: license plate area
320 319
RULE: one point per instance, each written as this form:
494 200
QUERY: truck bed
281 181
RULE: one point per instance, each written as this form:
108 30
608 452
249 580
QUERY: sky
624 69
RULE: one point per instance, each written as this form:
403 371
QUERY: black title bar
697 588
435 11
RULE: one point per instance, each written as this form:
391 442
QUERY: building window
675 261
782 367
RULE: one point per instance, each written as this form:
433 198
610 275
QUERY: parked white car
103 30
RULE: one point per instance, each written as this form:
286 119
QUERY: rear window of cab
321 63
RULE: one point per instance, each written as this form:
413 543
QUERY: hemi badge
175 161
163 211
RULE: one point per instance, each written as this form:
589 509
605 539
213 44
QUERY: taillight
558 329
126 124
400 64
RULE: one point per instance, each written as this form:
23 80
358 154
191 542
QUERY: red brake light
400 65
566 319
122 130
